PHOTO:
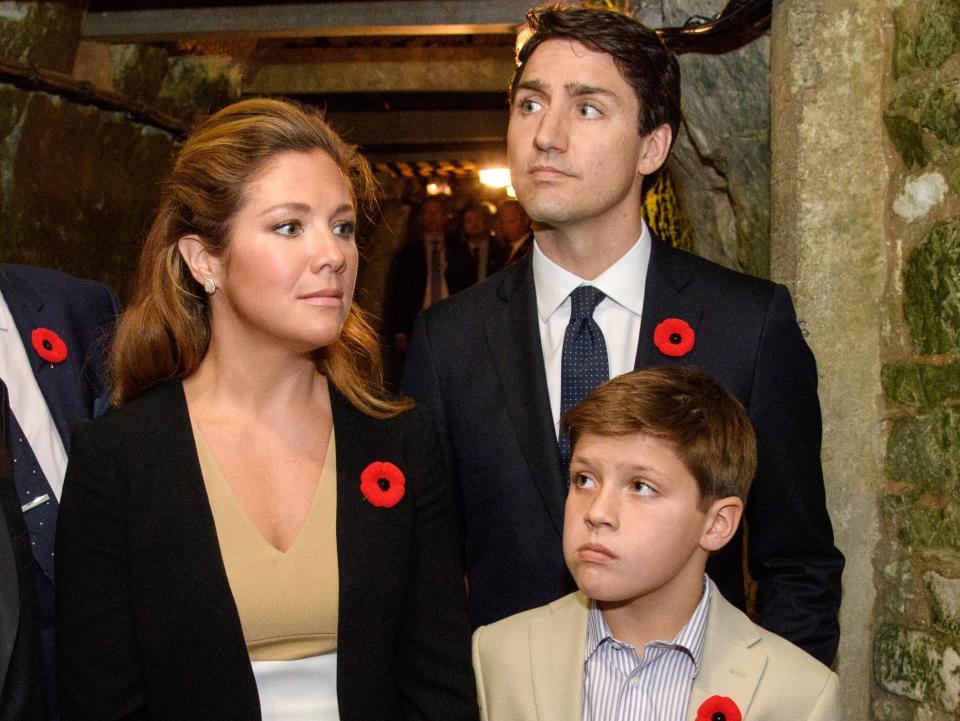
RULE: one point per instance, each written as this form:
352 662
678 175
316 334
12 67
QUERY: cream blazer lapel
730 666
557 646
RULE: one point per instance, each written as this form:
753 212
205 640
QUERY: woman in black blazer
242 347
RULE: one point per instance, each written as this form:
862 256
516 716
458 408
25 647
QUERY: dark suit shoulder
676 262
474 302
161 408
47 281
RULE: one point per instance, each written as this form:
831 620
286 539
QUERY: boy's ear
201 263
722 520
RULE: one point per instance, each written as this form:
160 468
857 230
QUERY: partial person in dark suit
53 333
486 255
595 106
429 268
517 233
258 531
21 696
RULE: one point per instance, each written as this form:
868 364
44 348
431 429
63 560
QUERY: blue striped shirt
618 685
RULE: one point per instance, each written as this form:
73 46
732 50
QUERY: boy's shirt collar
690 639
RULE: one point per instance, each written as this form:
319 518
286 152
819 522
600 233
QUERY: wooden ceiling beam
415 127
328 19
384 70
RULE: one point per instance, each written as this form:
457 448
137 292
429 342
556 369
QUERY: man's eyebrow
577 89
534 85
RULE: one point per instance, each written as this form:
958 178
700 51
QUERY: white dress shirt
27 403
429 243
618 315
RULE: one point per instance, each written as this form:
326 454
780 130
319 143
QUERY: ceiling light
495 177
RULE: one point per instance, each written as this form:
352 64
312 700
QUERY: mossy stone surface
931 283
83 208
138 70
942 113
924 450
45 34
907 663
907 139
954 180
197 86
923 524
945 604
920 384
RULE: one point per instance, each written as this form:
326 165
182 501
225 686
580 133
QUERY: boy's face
633 527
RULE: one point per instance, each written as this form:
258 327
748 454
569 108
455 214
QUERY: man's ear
201 263
722 519
655 149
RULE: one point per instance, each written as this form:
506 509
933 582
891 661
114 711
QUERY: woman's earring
209 286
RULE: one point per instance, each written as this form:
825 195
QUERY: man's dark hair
645 62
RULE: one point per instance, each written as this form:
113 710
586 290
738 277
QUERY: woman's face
288 274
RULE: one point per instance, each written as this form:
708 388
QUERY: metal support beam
328 19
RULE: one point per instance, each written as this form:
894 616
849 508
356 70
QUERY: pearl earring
209 286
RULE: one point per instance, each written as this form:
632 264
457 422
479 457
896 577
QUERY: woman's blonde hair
165 332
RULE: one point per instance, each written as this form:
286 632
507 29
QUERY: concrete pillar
830 177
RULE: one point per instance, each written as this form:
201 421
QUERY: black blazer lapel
187 544
513 334
373 549
669 292
29 311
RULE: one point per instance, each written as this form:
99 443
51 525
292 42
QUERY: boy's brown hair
707 427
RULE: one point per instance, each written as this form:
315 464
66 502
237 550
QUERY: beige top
288 601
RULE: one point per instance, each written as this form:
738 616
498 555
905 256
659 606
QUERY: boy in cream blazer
662 462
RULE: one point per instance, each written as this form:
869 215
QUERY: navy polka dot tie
584 365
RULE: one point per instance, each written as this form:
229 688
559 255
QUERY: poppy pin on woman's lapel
382 484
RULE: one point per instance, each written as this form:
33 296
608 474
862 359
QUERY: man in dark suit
429 268
516 230
595 105
486 255
52 361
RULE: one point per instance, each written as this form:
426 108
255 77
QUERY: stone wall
78 185
866 231
721 159
916 650
829 244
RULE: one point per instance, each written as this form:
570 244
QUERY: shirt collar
690 639
6 322
622 282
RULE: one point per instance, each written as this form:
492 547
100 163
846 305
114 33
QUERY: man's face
474 224
633 529
432 218
573 146
516 223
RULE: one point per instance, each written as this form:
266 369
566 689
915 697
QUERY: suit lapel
730 667
557 644
9 588
513 335
29 312
667 294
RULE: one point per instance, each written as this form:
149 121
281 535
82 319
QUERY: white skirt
300 690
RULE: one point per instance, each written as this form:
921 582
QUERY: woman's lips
324 297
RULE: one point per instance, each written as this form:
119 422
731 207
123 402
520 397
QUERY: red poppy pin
383 484
674 337
719 708
48 345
